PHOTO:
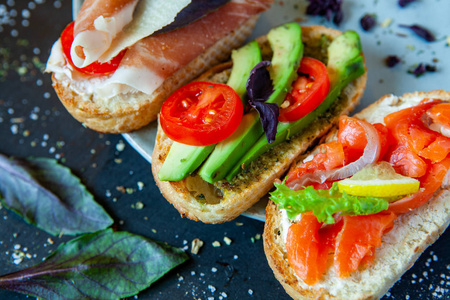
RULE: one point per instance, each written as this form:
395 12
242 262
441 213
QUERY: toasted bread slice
130 111
223 201
413 232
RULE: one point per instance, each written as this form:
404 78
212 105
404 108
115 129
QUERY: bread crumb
216 244
239 224
227 240
196 245
386 23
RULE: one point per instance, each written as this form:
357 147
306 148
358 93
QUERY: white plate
378 43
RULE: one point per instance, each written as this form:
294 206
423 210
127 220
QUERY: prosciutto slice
103 28
153 59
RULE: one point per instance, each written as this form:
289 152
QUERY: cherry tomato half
308 91
94 69
201 113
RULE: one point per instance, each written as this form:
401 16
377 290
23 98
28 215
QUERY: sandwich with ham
224 138
353 216
114 66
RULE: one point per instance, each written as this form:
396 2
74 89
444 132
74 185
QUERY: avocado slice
345 64
287 47
183 159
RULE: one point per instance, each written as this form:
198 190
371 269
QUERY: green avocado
345 64
183 159
287 47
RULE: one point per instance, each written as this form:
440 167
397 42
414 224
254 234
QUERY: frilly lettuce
325 203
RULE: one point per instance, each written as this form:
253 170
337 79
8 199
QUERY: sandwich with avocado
224 138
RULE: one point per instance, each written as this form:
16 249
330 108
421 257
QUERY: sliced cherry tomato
201 113
94 69
308 91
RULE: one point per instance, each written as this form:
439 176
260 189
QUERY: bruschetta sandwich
353 216
118 61
224 138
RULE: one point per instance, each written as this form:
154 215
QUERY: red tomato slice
94 69
308 91
201 113
303 249
358 238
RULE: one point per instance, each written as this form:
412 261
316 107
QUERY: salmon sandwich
353 216
114 66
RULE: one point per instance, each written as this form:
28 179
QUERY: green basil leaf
48 195
325 203
100 265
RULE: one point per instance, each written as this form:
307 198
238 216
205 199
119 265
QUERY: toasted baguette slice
131 111
198 200
413 232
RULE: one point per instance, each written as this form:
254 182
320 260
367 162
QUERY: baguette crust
131 111
413 232
224 201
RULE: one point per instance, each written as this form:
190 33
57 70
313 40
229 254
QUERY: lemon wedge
379 180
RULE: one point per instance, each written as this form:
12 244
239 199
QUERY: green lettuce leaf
100 265
325 203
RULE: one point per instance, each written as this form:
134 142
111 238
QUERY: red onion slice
370 155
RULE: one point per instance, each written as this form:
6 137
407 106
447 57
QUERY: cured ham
104 28
96 26
150 61
157 57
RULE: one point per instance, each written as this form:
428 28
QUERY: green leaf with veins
48 195
101 265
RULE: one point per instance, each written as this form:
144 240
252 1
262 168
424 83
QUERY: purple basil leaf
421 31
403 3
259 84
392 60
326 8
259 89
48 195
418 71
100 265
192 12
268 113
368 21
422 69
430 68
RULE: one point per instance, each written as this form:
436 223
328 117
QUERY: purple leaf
368 21
422 69
420 31
259 89
48 195
326 8
392 60
403 3
100 265
195 10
